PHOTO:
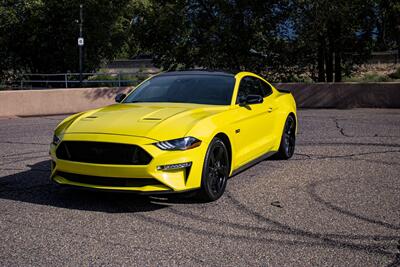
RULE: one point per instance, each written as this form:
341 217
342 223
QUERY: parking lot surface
335 203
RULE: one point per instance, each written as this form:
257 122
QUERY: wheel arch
284 114
224 137
294 117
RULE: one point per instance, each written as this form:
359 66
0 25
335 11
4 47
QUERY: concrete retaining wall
318 95
55 101
345 95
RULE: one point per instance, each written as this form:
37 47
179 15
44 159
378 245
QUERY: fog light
174 166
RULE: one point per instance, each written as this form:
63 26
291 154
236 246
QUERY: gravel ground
335 203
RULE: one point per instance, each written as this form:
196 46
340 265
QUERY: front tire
288 140
215 171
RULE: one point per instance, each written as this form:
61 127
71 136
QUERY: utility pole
80 44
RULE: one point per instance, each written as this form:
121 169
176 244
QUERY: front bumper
130 177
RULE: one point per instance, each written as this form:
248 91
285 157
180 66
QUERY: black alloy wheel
215 171
288 140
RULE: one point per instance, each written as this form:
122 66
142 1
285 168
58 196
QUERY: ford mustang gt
176 131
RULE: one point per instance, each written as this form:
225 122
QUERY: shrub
396 74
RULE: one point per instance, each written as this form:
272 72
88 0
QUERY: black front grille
102 153
108 181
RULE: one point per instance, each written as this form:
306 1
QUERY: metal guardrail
71 80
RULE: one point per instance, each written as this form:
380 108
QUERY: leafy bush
396 74
369 77
375 77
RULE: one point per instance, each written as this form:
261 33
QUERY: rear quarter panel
286 105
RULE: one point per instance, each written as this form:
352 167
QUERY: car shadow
34 186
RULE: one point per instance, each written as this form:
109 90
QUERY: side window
266 88
249 86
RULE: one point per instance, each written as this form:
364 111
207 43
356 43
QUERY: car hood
158 121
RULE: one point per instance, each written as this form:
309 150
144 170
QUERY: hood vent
152 119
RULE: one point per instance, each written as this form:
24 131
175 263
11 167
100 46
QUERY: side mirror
119 98
251 99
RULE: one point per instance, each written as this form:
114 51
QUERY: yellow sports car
176 131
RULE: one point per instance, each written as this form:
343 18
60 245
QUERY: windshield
197 89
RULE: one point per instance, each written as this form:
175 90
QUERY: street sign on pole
80 44
81 41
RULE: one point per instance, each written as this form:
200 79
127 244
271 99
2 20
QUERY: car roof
197 72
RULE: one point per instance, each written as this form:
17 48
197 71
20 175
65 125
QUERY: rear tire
215 171
288 139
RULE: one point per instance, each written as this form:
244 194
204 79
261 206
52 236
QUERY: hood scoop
152 119
89 118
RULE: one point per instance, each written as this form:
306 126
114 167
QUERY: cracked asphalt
335 203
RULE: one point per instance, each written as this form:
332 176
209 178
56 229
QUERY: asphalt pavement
335 203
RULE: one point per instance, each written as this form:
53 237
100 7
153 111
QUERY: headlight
56 140
184 143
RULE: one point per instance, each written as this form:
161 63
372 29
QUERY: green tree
333 35
388 25
285 40
211 34
17 20
41 35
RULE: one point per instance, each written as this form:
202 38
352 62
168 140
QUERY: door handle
269 109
